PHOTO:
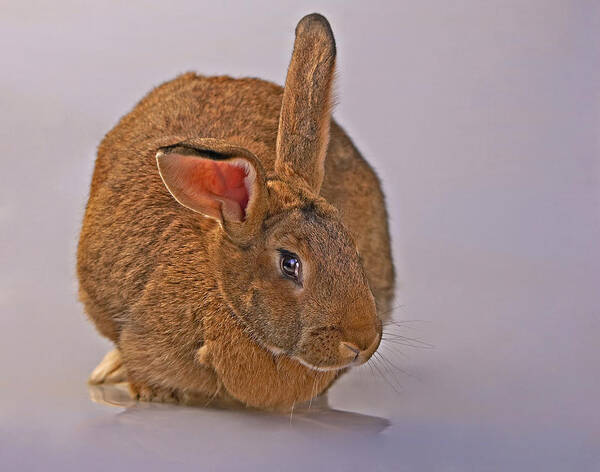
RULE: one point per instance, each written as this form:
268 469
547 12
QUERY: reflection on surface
316 415
111 394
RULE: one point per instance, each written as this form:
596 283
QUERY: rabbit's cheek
319 348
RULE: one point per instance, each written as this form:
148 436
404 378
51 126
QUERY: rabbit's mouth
350 355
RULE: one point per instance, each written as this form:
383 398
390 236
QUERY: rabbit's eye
290 265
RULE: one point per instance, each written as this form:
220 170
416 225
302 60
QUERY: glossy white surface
482 119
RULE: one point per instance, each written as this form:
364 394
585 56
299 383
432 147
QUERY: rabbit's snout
359 344
332 348
353 355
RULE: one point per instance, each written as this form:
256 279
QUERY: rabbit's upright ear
303 134
218 180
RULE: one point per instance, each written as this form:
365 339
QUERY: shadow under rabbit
309 417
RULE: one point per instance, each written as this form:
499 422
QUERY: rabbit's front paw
203 355
110 369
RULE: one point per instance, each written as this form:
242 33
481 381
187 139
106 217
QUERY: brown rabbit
235 244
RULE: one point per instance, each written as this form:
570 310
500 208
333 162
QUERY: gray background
482 119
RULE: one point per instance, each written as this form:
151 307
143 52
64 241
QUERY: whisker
376 367
390 310
385 345
371 368
400 342
403 323
409 341
313 390
396 368
384 366
394 340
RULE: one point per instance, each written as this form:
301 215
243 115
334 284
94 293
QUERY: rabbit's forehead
309 232
306 222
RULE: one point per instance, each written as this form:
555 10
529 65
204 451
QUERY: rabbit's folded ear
305 117
218 180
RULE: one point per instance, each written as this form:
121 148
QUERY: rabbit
235 244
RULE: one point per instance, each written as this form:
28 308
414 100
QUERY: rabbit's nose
352 354
349 351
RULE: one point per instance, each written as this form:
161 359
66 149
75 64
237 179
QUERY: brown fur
196 306
305 110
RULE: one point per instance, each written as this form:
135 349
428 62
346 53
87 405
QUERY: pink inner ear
208 186
222 179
